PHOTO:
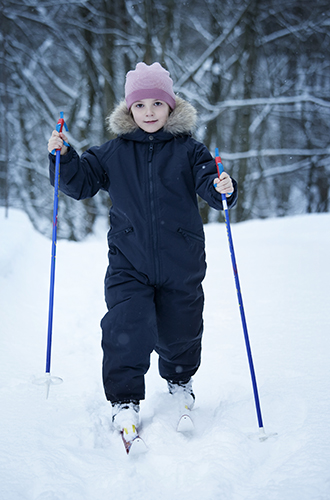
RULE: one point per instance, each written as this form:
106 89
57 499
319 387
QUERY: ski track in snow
64 448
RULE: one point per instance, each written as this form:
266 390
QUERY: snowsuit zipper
153 217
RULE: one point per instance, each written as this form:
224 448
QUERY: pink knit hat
149 82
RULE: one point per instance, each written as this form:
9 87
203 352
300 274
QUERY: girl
153 291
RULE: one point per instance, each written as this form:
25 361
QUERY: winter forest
258 72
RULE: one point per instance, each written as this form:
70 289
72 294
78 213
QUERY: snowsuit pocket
190 235
113 236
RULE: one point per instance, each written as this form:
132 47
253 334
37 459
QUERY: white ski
185 424
133 445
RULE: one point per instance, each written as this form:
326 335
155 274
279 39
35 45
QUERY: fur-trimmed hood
181 121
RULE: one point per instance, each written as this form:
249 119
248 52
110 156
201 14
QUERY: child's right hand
56 142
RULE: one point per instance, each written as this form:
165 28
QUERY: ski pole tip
263 436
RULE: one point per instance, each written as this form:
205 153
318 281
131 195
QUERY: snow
64 448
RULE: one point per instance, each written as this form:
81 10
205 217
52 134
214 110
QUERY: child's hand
56 142
224 185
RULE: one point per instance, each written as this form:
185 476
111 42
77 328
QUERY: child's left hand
224 185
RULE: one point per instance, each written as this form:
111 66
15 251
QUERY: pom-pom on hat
149 82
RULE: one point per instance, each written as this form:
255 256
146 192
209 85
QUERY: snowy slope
64 448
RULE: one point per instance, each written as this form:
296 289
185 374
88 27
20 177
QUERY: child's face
150 114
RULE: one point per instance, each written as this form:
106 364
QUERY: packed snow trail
64 448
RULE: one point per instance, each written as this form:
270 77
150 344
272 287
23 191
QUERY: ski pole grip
218 162
59 128
60 123
219 165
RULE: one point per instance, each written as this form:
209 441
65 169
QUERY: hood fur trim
182 119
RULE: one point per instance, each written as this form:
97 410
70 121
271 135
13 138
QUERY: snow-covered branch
212 47
266 101
253 153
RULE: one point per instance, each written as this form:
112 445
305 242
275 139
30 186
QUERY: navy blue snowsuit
157 263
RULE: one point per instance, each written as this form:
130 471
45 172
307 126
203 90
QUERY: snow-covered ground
63 447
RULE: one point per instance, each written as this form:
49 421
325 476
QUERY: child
153 291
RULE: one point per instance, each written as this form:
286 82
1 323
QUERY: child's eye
158 103
139 105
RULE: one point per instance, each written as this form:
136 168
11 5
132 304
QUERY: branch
217 42
292 30
280 170
254 153
262 101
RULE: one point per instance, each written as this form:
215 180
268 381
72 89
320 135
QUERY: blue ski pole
240 302
53 380
59 127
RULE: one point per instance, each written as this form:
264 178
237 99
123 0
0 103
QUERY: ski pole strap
59 127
